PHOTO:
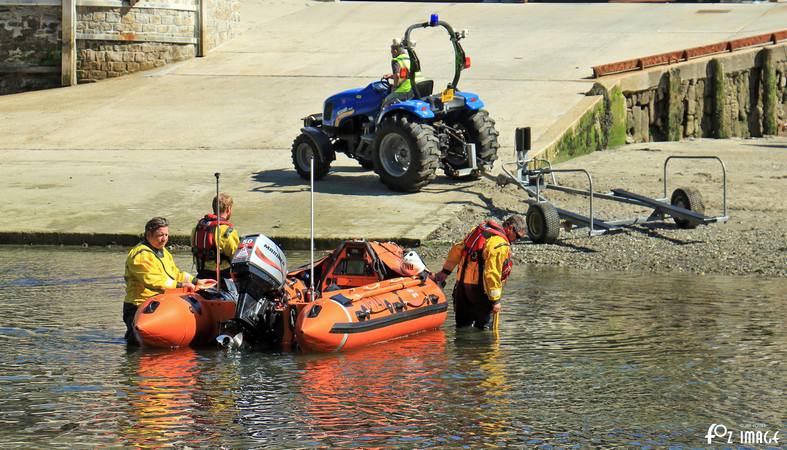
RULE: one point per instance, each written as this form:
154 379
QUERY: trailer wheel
543 223
687 198
303 148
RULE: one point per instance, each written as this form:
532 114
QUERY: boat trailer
684 206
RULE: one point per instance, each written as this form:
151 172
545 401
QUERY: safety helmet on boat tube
412 264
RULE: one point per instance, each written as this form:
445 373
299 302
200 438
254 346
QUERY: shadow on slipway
368 184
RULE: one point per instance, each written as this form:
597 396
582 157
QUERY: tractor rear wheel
303 149
687 198
406 154
479 129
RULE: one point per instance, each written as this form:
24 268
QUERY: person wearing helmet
401 87
203 239
150 269
484 258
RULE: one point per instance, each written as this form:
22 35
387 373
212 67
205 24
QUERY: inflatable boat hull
178 318
352 318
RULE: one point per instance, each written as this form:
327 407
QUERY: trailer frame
685 206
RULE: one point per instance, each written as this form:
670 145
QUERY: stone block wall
740 94
136 22
98 60
645 114
781 97
29 47
223 21
112 38
119 41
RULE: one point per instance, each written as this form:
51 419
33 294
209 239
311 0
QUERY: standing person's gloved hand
440 277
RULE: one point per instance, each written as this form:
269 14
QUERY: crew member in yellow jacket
484 258
150 269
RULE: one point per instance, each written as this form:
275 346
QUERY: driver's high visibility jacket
397 63
149 272
496 253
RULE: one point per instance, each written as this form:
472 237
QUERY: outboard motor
259 269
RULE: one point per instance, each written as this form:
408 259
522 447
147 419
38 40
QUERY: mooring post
202 29
68 50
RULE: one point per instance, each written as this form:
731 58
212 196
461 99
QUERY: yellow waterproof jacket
496 251
149 272
228 243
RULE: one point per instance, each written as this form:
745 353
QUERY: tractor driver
401 87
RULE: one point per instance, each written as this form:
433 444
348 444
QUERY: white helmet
412 264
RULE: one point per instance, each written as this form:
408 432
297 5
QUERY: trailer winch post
522 147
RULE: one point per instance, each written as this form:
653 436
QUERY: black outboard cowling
259 268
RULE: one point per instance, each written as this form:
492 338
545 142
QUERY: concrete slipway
103 158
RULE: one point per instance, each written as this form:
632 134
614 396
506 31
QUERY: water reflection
361 396
160 398
583 359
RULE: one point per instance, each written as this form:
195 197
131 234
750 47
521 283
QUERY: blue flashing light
433 19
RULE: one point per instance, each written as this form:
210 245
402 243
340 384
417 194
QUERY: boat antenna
218 228
311 226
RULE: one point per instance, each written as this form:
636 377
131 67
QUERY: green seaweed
769 121
674 106
617 107
720 120
586 137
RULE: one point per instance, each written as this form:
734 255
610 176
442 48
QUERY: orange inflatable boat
180 318
364 293
377 312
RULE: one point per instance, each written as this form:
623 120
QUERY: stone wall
781 97
601 124
740 94
98 60
29 47
223 20
119 41
113 38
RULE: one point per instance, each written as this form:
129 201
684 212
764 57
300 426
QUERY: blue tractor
405 142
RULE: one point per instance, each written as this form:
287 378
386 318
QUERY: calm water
584 360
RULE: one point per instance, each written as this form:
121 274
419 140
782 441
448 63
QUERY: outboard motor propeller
230 342
260 269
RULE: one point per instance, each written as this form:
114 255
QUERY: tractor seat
425 88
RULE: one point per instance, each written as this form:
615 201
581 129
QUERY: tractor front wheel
406 154
304 149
